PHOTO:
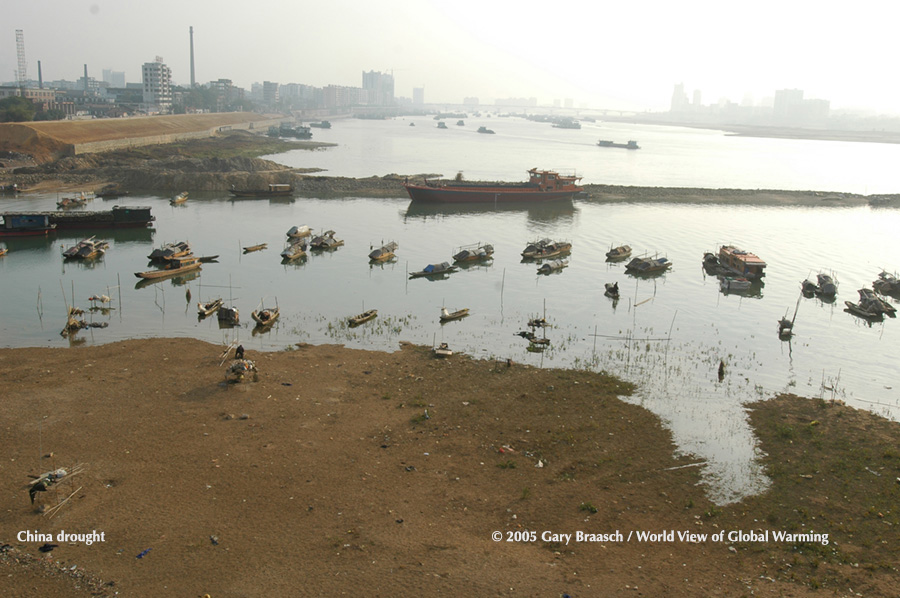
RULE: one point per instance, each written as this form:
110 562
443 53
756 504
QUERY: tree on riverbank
16 109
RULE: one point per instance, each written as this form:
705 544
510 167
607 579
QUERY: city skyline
615 57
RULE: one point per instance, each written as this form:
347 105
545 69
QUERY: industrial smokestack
40 77
193 82
85 78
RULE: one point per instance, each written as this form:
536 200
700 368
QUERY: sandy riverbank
349 472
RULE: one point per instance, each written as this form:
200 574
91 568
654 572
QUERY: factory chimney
193 82
85 79
40 77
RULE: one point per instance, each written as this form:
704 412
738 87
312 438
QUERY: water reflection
545 212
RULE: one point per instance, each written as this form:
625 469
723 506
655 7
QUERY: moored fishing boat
546 248
552 266
363 317
170 250
475 252
228 316
384 253
257 247
618 253
179 199
294 251
646 265
205 309
173 267
434 270
325 241
448 316
265 317
741 263
298 232
86 250
542 185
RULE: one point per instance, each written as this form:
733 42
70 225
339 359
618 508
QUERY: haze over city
601 55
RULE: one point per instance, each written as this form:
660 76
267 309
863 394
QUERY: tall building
788 103
679 99
157 78
418 95
114 78
379 88
270 93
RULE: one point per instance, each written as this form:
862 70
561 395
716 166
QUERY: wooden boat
228 316
265 317
443 350
363 317
3 251
646 265
865 310
86 250
173 267
179 199
612 290
253 248
873 302
207 259
552 266
321 125
472 253
325 241
542 185
618 253
298 232
434 270
384 253
887 284
449 316
294 251
546 248
273 190
741 263
170 250
442 125
70 202
827 287
485 131
205 309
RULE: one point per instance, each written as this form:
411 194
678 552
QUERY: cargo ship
542 185
632 145
117 217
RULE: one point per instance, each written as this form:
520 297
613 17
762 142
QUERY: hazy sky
624 54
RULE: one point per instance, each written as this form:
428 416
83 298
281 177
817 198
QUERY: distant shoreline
775 132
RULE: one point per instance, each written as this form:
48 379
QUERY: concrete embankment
51 140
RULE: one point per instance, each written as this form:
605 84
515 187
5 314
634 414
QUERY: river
667 334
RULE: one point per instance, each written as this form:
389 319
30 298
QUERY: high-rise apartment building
157 81
379 88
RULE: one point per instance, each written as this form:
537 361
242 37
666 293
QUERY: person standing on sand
239 352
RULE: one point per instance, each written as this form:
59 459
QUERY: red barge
542 185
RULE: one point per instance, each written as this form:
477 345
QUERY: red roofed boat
542 185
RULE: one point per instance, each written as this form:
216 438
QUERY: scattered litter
143 554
